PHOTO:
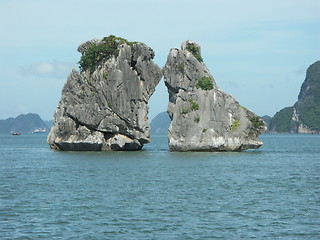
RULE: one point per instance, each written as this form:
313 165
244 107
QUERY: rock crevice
104 106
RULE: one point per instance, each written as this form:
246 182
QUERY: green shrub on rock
194 104
195 51
205 83
185 111
256 121
196 119
235 125
102 51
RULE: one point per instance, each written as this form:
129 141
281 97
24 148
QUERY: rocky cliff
104 106
204 118
304 115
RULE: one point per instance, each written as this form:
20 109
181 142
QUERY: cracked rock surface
204 118
107 109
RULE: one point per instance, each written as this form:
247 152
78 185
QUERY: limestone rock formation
304 115
204 118
104 106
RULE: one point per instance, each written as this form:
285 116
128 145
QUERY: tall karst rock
104 106
204 118
304 115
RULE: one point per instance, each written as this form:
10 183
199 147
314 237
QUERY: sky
257 51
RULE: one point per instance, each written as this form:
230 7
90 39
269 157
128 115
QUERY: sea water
270 193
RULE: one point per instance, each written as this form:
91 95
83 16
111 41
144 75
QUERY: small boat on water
16 133
40 130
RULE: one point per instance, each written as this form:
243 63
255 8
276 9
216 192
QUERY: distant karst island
25 123
104 106
304 115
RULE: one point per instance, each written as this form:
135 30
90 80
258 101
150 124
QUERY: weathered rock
204 120
105 108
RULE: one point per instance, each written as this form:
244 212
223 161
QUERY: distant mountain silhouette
160 123
267 120
24 123
49 123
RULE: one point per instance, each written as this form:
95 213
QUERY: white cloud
45 69
245 43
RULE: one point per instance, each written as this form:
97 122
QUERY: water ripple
155 194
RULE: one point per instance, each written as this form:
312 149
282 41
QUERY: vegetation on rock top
102 51
195 51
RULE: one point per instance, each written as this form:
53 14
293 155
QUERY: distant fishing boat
16 133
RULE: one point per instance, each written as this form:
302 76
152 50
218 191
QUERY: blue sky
258 51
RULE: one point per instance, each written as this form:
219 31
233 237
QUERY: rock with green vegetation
281 121
204 83
304 115
104 106
204 118
97 51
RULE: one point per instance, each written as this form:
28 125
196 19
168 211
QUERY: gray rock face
204 118
107 109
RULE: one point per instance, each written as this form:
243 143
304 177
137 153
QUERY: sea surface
270 193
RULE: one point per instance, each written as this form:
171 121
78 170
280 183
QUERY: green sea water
270 193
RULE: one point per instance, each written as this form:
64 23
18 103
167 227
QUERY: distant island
160 123
25 123
304 115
